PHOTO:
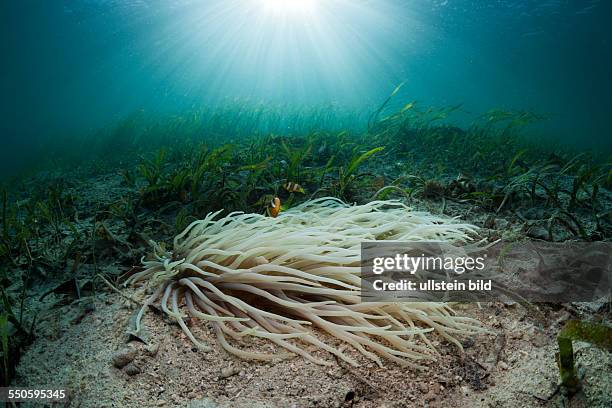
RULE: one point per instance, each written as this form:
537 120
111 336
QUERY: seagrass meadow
185 187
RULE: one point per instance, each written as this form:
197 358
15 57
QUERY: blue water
72 67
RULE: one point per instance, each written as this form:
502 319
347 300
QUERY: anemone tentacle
276 278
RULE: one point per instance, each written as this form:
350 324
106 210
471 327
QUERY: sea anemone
277 278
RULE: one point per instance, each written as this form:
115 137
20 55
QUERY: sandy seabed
86 350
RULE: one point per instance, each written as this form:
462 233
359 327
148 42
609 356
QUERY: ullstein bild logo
438 271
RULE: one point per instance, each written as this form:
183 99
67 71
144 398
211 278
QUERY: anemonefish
293 187
274 207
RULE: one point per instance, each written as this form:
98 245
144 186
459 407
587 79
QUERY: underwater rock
538 232
124 357
152 349
132 369
503 365
423 387
228 372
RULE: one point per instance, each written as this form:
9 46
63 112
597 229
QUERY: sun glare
290 8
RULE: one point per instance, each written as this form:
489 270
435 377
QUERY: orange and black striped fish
274 207
293 187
